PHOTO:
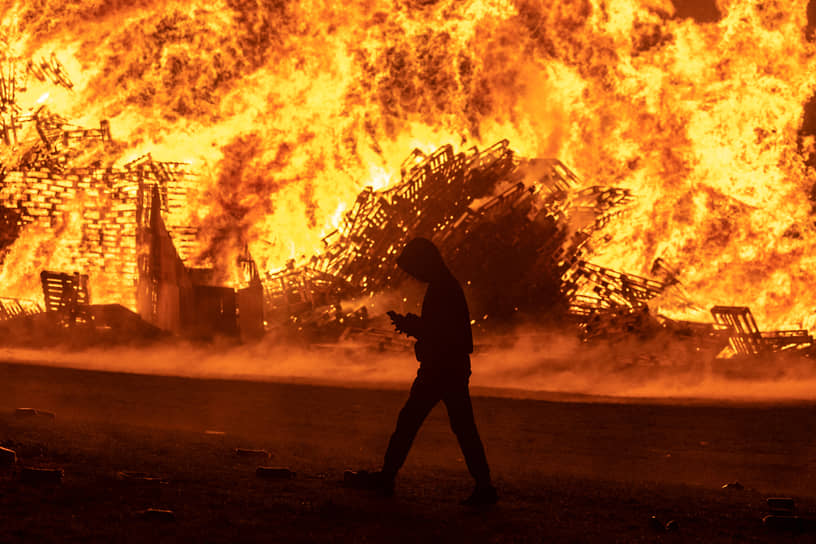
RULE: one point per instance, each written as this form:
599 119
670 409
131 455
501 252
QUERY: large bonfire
286 111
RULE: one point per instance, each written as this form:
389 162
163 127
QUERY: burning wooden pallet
502 222
66 296
11 308
69 318
746 340
609 288
51 175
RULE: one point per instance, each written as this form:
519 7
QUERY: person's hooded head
421 259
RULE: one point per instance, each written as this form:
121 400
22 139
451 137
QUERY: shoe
382 483
482 496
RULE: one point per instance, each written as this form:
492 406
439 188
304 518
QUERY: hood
421 259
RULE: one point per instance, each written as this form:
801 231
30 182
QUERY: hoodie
445 340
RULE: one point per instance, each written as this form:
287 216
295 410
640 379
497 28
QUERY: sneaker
382 483
482 496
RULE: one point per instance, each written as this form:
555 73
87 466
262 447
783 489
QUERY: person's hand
410 324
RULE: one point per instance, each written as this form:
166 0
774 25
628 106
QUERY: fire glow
287 111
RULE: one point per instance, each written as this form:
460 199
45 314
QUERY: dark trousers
425 393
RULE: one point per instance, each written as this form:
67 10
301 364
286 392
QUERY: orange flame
288 109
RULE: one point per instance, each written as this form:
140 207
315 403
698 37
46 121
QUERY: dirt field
566 471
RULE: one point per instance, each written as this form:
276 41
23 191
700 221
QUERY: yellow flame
288 109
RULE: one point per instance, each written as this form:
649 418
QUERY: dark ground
566 471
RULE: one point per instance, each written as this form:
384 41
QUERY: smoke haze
533 365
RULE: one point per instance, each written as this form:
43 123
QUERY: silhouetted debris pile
610 289
513 230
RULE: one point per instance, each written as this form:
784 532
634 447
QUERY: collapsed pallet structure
473 205
514 231
11 308
118 224
517 232
746 340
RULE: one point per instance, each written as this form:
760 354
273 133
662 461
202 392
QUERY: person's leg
422 399
460 413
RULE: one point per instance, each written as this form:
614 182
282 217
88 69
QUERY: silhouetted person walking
443 348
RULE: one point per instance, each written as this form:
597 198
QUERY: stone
34 475
7 457
26 413
357 479
781 505
139 477
656 524
44 414
157 514
734 486
784 522
241 452
274 473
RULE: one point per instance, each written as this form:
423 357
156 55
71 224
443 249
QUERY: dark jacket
445 340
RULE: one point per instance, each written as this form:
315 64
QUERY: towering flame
287 109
